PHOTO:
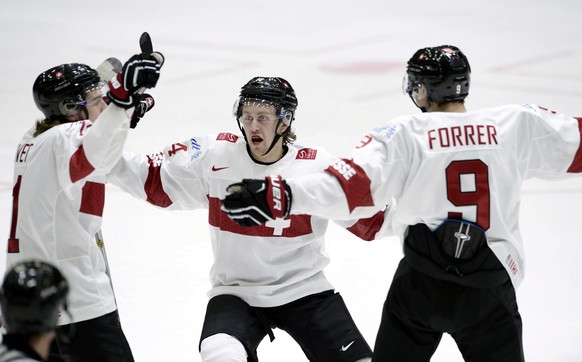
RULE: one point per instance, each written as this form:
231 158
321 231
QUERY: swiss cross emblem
278 225
59 75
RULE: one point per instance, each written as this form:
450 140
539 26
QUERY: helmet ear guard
69 107
287 117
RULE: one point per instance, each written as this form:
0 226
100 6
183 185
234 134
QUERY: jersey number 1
13 244
479 196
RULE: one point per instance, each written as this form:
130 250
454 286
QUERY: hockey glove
145 102
140 72
254 202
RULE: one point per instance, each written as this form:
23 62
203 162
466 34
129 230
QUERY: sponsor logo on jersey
214 168
306 154
345 170
226 136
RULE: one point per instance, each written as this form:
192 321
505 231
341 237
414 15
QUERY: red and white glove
144 104
140 72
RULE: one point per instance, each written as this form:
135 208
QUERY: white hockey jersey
450 165
267 265
58 199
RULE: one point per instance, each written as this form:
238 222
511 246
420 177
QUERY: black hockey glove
140 72
254 202
145 102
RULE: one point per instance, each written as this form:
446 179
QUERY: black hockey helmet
60 90
31 297
443 70
274 90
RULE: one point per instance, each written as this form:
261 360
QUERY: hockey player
58 197
32 296
267 276
456 177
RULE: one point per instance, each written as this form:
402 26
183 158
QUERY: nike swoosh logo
345 348
214 168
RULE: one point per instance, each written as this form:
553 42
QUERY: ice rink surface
345 60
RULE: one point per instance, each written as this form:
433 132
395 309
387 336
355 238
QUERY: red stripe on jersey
576 166
93 198
366 229
13 246
354 182
79 165
153 187
290 227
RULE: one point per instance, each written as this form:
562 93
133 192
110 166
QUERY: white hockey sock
222 347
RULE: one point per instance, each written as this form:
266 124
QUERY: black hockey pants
481 315
95 340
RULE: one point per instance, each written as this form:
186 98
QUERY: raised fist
139 73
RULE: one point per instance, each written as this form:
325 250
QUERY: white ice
346 60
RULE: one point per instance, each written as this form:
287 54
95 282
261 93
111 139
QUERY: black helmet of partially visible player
443 71
60 91
274 91
31 297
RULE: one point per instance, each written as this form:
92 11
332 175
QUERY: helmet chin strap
85 111
275 139
277 136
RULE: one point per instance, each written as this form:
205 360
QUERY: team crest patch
306 154
226 136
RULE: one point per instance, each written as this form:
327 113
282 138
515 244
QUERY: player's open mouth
256 139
